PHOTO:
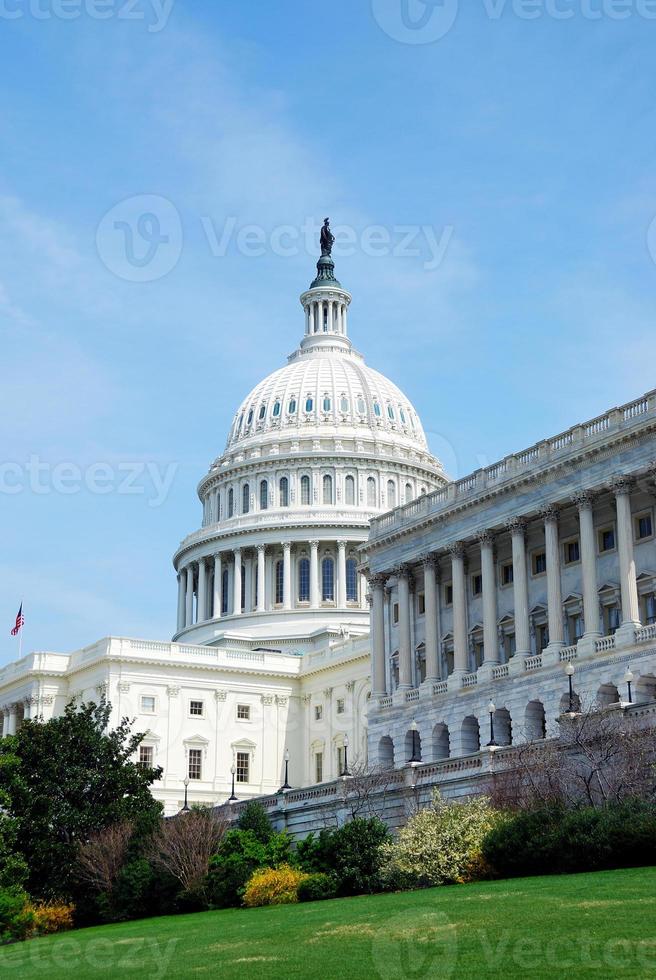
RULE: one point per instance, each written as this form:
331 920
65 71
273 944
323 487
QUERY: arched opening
607 695
284 492
231 502
470 736
349 491
245 499
371 492
327 489
645 688
391 494
565 703
280 582
386 752
412 746
304 580
502 727
305 489
535 721
408 493
224 591
441 742
328 580
264 495
351 580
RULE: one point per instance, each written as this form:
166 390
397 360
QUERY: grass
601 925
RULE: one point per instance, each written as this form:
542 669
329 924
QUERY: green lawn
599 925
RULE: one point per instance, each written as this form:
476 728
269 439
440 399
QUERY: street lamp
286 785
232 798
569 670
415 755
491 710
185 808
346 745
628 680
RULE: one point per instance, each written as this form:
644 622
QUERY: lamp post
415 758
629 678
232 798
286 785
185 808
346 745
491 710
569 670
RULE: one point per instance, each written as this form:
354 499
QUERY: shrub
317 887
239 855
16 915
350 854
439 845
273 886
51 917
255 818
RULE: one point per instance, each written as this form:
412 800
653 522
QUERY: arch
224 591
327 489
371 492
245 499
502 727
264 494
645 688
349 491
305 490
304 580
231 502
409 494
280 582
607 695
564 703
470 736
441 742
391 494
351 580
386 752
413 746
535 721
283 488
328 580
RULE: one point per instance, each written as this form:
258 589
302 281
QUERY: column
261 577
628 584
591 617
202 591
430 604
320 316
554 591
248 592
517 530
490 606
314 574
377 586
236 583
341 574
345 320
181 599
460 649
287 575
405 652
331 308
11 720
218 587
189 608
307 319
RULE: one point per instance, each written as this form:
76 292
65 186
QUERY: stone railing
439 688
412 695
646 633
604 644
500 671
533 663
542 454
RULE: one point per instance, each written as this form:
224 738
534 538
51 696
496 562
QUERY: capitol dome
316 450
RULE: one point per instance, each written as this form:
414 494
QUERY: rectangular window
148 704
340 706
196 709
395 613
244 712
539 562
318 767
243 766
318 712
448 595
649 615
542 638
507 574
340 760
421 603
195 764
572 551
606 539
146 756
643 527
477 584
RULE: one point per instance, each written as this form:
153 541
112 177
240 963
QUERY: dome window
309 403
245 499
402 415
390 412
362 408
305 490
240 423
327 489
284 491
291 408
250 417
377 412
276 410
349 491
262 412
344 404
371 492
327 403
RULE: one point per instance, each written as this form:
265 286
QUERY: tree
64 781
184 846
102 857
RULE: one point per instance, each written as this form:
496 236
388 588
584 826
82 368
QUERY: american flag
20 620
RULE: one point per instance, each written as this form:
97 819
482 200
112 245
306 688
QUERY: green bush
350 854
440 845
239 855
17 919
553 840
317 887
255 818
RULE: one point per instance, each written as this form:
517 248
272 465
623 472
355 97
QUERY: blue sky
526 145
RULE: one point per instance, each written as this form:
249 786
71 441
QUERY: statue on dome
327 238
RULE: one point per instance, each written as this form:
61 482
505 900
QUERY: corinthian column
460 650
181 599
490 606
377 585
554 590
430 604
314 574
202 591
591 619
261 577
630 611
189 602
341 574
405 652
287 575
517 529
236 584
218 583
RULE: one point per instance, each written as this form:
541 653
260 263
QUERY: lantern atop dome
326 301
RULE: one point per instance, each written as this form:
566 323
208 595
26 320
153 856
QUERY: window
318 767
340 760
507 574
146 756
612 619
643 527
349 491
309 403
243 767
539 562
262 412
402 415
340 706
327 489
572 551
304 580
195 764
328 580
395 613
344 404
280 583
448 595
409 495
371 492
224 591
477 584
606 539
377 410
250 417
276 410
576 627
243 588
649 615
362 408
284 492
305 489
390 412
246 499
264 495
291 408
351 580
421 603
318 712
244 712
231 502
148 704
196 708
327 403
542 638
391 494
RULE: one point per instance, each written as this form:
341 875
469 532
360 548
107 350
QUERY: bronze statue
327 238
